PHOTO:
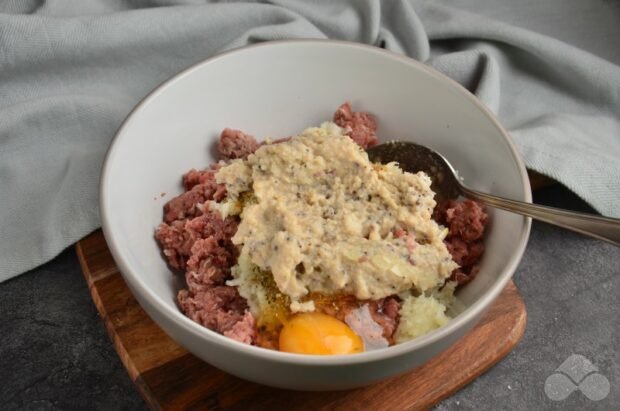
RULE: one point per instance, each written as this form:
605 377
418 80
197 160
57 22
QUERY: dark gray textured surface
55 354
54 351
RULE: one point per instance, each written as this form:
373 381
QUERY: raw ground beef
236 144
209 264
244 330
466 221
360 126
177 238
200 186
194 177
221 309
197 242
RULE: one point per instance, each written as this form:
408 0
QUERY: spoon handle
603 228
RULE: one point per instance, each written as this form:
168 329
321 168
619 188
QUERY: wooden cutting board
170 378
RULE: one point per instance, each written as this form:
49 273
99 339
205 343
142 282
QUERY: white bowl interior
278 90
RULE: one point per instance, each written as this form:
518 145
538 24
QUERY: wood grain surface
170 378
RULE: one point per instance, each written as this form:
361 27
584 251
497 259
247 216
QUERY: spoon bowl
414 157
447 185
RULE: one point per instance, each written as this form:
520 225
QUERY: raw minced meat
220 309
466 221
360 126
236 144
202 248
200 186
196 241
177 238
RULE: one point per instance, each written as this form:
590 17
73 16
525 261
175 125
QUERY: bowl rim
197 330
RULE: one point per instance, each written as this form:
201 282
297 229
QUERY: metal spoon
447 185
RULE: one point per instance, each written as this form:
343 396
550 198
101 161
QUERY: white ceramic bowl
278 89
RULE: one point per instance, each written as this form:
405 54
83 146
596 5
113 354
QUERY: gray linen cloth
70 71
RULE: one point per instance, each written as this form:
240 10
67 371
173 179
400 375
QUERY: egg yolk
319 334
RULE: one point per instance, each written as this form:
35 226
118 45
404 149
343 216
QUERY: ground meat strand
176 243
385 313
220 309
236 144
202 187
466 221
464 253
177 238
277 141
360 126
211 224
197 240
208 265
391 307
194 177
243 330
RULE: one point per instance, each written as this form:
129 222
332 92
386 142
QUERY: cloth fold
71 71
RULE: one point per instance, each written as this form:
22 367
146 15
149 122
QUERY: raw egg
319 334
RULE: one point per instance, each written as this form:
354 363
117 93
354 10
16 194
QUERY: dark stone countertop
55 354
